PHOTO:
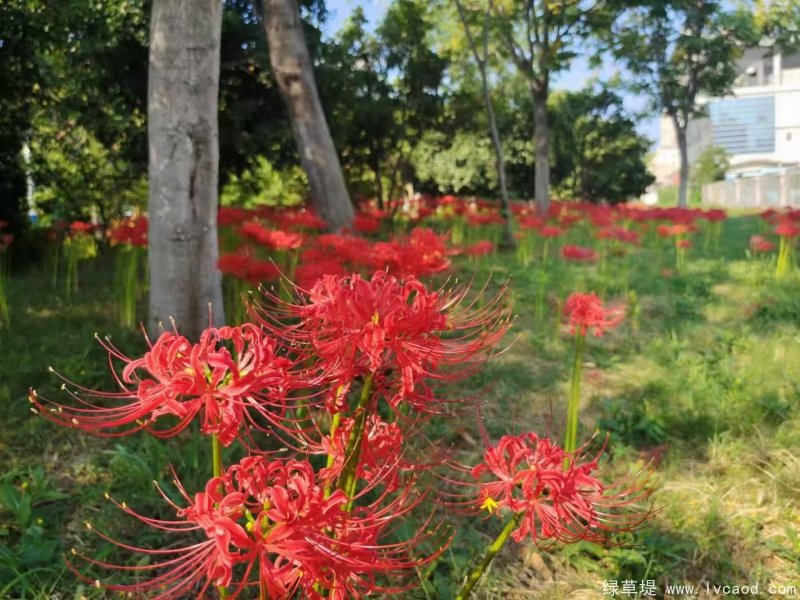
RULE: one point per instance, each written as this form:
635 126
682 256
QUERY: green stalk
216 468
573 405
348 479
491 552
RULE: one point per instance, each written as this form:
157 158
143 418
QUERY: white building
758 124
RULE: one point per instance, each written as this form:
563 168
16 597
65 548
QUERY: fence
773 189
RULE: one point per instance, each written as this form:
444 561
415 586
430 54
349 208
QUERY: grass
703 379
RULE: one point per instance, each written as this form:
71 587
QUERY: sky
575 78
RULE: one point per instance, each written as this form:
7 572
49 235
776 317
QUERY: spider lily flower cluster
325 392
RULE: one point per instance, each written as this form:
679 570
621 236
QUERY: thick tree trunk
541 143
683 151
184 159
291 64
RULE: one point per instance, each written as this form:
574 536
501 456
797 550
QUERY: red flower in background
132 232
760 244
675 230
787 228
489 218
482 248
366 223
578 253
242 265
80 228
556 493
550 231
618 233
299 219
270 238
183 380
530 222
586 311
714 215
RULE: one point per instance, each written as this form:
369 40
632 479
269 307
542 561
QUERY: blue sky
575 78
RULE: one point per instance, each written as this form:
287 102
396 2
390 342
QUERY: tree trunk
541 143
291 64
507 240
183 142
376 169
683 151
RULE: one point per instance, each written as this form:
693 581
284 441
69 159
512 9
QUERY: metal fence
774 189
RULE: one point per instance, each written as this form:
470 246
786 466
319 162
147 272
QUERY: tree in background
363 108
597 153
541 38
480 55
709 167
678 51
184 158
20 74
291 65
779 21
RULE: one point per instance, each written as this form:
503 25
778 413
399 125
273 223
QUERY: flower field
607 407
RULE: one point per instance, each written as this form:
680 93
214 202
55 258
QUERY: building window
744 125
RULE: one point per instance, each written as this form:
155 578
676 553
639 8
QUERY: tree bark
183 142
292 67
683 151
541 143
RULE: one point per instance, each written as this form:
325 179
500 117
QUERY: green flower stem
573 405
348 479
216 468
491 552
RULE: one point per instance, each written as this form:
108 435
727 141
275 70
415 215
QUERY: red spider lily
299 219
586 311
482 248
313 266
555 492
578 253
392 328
380 454
80 227
423 253
231 215
618 233
675 230
242 265
344 248
366 223
268 524
715 215
568 219
530 222
131 232
491 218
760 244
269 238
787 228
183 380
550 231
5 241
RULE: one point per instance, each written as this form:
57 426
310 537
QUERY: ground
701 381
